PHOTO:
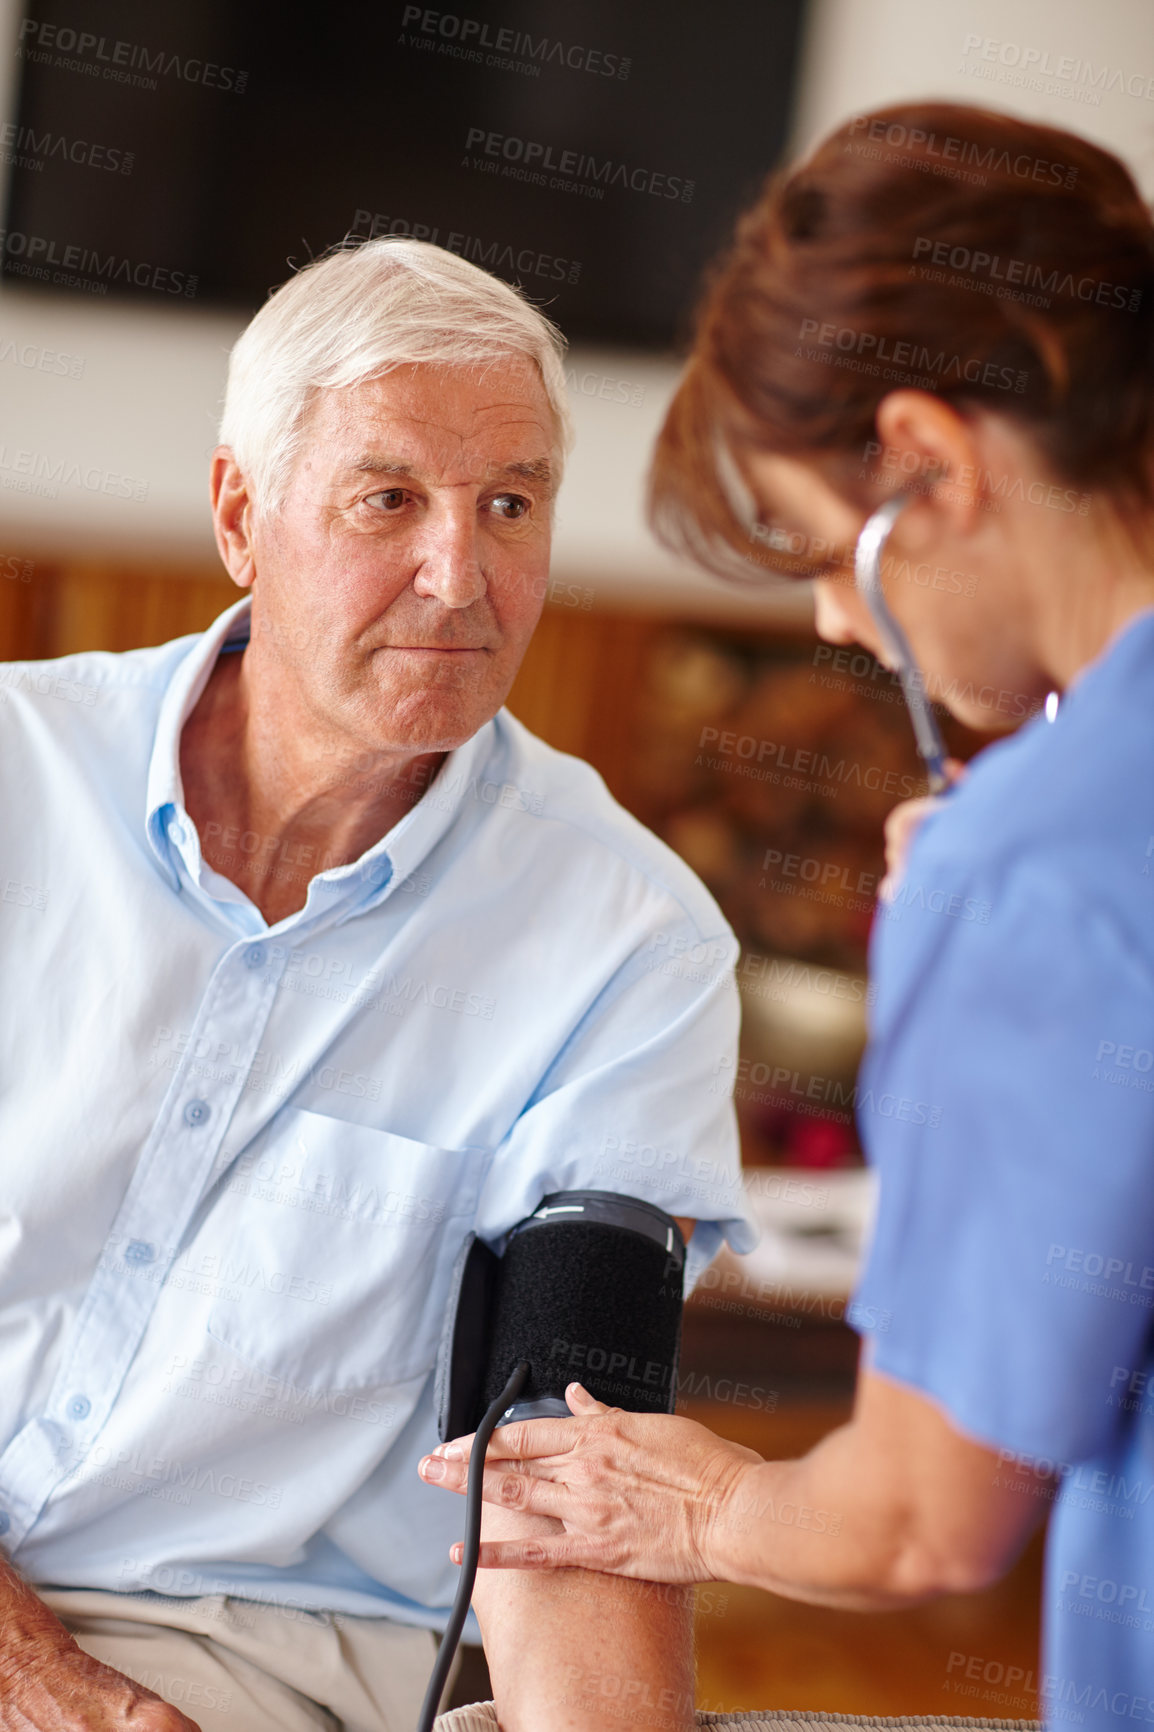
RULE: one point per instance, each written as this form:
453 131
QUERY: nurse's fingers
451 1473
530 1489
529 1438
900 829
508 1484
902 824
566 1552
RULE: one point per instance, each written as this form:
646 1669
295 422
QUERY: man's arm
49 1684
567 1650
573 1650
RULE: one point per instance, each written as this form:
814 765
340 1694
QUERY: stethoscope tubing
867 576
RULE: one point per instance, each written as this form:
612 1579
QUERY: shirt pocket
333 1246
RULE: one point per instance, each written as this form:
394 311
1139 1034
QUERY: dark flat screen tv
594 151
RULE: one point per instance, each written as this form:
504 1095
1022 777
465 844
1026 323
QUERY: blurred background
165 167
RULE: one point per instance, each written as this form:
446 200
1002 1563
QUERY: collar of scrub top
867 576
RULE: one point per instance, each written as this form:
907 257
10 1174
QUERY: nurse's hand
638 1494
902 824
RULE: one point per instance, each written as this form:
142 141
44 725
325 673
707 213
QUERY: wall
862 53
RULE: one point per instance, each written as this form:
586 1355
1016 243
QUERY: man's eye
511 506
391 499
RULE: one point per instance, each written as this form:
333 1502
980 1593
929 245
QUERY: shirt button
79 1407
196 1112
5 1521
139 1251
254 958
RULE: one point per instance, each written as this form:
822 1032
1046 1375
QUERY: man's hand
49 1684
61 1691
902 824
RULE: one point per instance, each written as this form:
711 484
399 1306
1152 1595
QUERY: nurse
957 305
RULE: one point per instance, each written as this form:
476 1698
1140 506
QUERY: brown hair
992 261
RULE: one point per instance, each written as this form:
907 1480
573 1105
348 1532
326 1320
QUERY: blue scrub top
1007 1101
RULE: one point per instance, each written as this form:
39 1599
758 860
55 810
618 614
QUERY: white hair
353 315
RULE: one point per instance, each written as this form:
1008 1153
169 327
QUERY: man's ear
232 517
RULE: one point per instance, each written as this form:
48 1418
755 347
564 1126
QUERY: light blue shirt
1014 1240
237 1161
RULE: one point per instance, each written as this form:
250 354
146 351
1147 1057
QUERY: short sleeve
1007 1101
639 1099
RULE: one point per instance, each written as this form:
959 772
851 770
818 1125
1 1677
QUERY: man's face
399 585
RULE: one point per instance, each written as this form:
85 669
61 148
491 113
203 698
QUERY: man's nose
448 566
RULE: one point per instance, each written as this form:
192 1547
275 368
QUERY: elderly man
325 961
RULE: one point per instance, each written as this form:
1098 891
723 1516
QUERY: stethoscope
868 578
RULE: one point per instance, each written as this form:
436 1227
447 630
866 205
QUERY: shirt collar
165 789
353 888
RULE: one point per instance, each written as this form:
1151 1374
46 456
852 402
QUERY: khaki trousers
235 1665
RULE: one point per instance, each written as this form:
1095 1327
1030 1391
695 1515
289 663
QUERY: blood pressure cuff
589 1289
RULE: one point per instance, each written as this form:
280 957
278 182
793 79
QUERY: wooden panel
80 604
578 688
25 594
106 607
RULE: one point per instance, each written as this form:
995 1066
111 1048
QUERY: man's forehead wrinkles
395 408
401 430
